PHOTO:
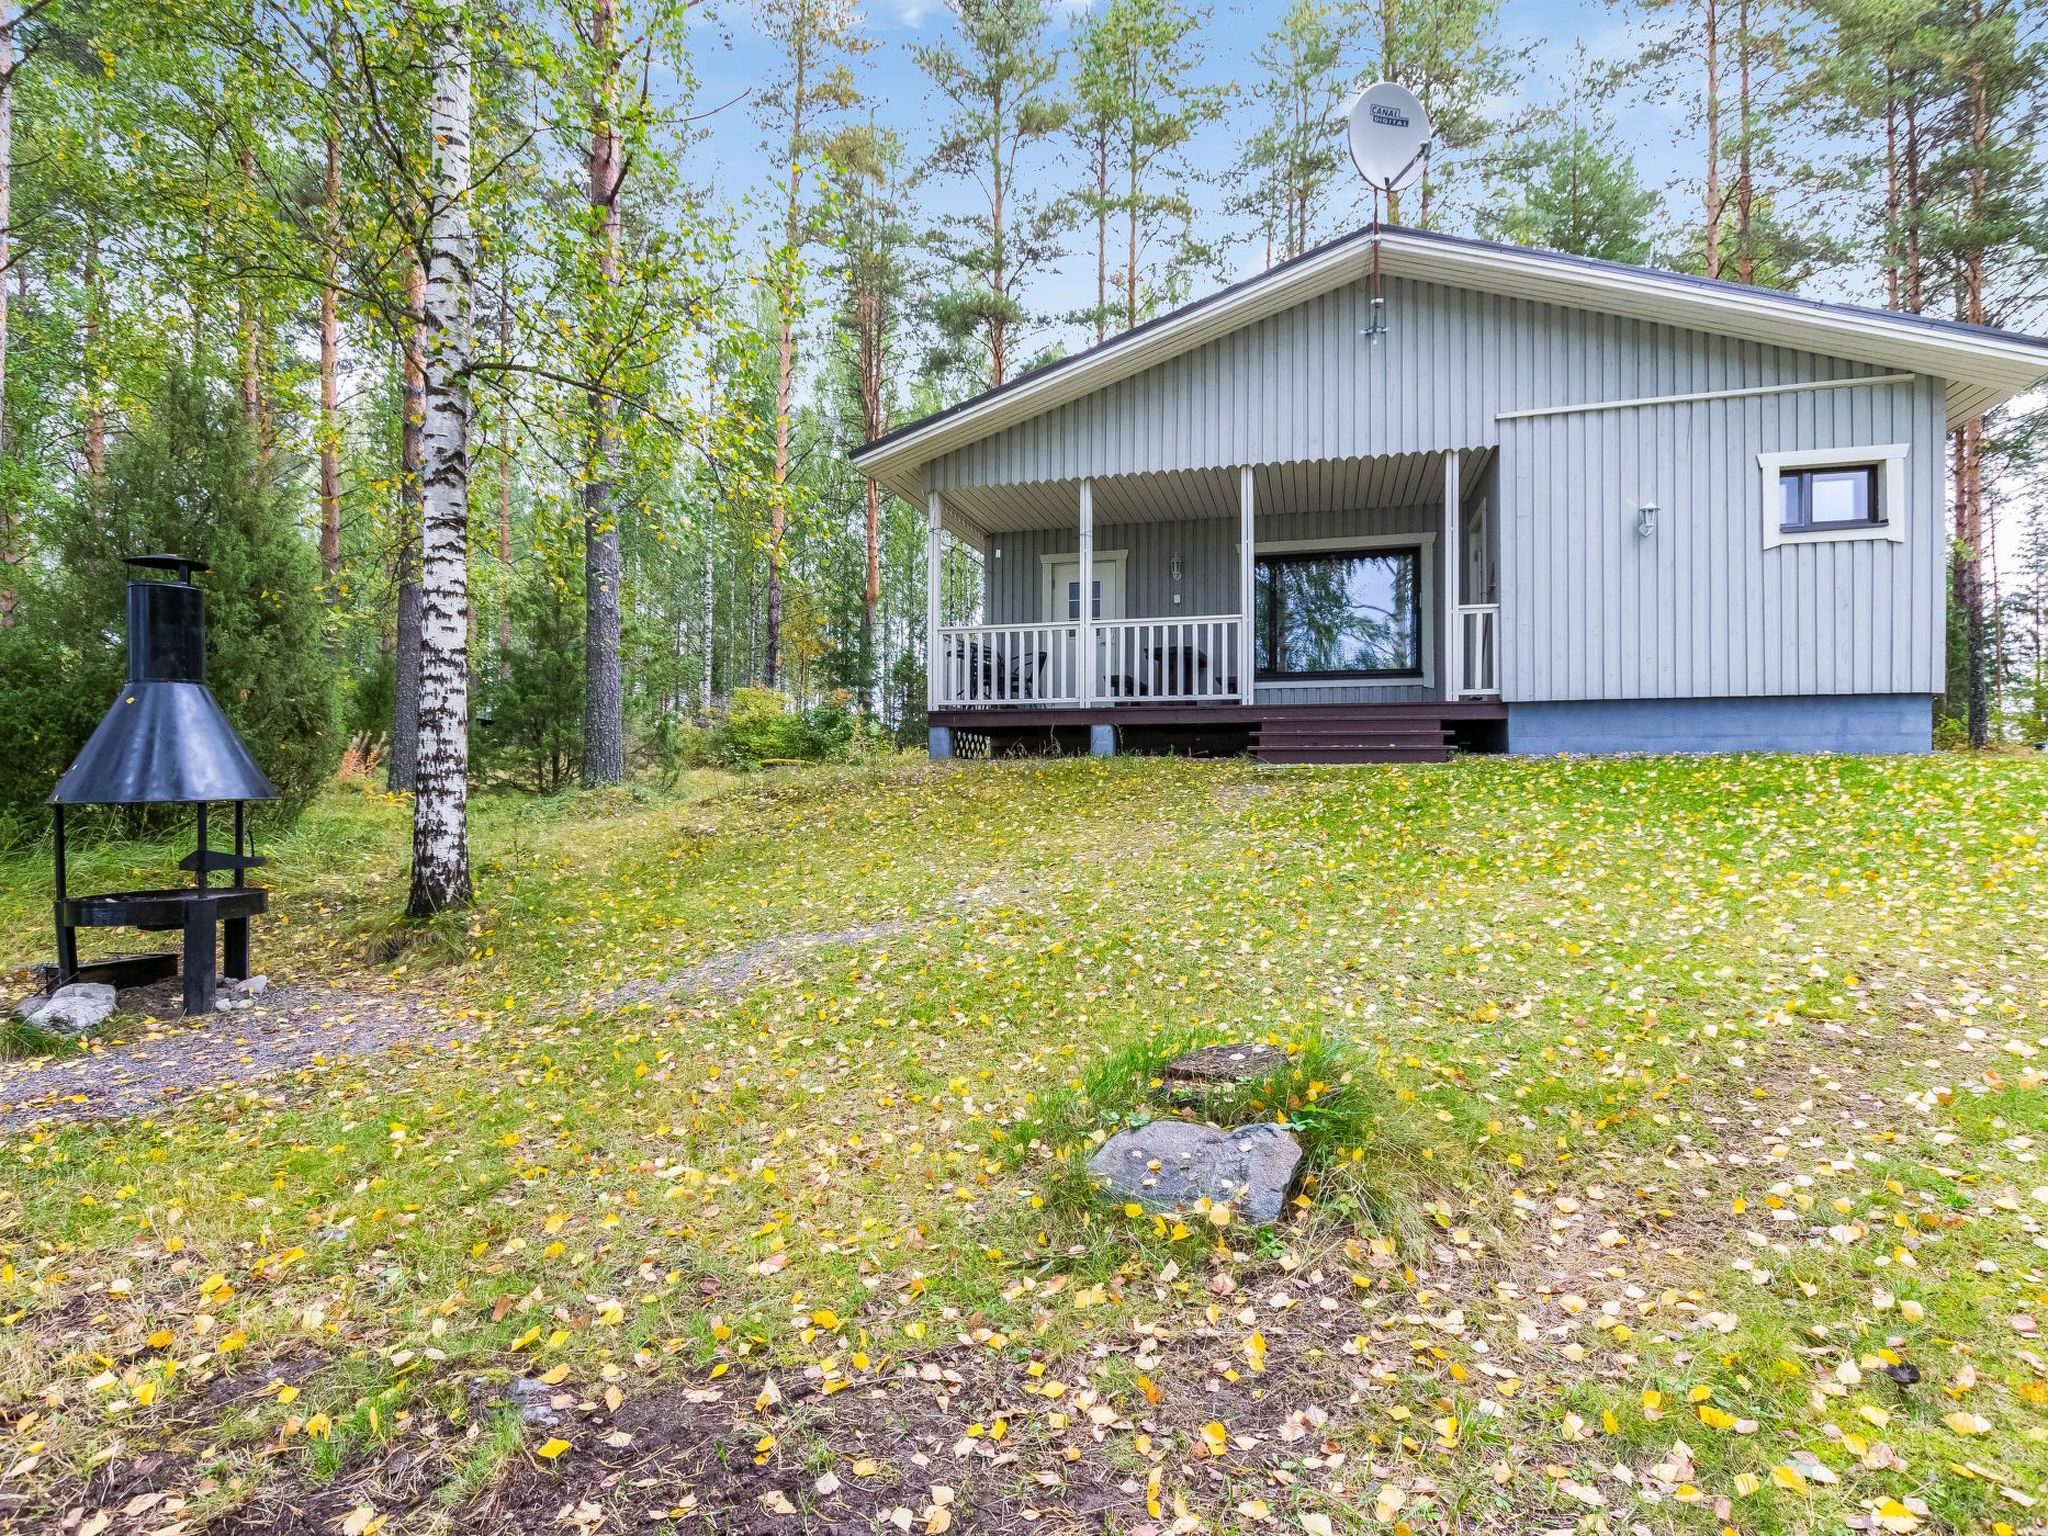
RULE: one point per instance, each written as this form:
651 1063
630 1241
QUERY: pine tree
1289 164
817 40
1141 103
1569 191
873 240
999 75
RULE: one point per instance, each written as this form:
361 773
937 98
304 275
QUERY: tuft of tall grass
1358 1153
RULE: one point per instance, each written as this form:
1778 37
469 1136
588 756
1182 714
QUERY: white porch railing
1136 661
1166 661
979 665
1478 650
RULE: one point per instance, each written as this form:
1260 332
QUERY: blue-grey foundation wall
1880 722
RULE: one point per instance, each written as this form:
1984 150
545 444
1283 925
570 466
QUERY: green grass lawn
1665 1113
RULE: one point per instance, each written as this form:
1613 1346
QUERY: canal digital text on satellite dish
1390 133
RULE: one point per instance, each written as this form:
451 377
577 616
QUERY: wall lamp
1646 519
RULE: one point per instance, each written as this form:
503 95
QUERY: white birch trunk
440 831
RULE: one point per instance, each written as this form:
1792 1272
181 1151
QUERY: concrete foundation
1873 723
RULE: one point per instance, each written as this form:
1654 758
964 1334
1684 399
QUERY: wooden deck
1273 733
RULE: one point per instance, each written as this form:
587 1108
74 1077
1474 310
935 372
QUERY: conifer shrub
185 477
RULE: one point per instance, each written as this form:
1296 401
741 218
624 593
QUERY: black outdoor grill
166 742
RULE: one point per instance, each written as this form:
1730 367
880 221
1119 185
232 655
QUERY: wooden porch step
1348 734
1393 731
1352 754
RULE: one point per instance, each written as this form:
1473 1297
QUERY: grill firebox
166 742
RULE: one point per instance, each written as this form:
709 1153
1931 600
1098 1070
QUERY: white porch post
1084 637
1454 623
1247 648
934 569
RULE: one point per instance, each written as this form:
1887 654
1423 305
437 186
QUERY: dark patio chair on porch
1177 669
1001 676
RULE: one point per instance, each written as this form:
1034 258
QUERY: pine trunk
89 357
253 411
998 271
604 726
1892 243
440 830
1745 183
1915 274
1714 202
330 349
786 298
405 693
1970 529
1131 245
11 558
1101 236
506 460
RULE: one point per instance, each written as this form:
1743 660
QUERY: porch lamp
1646 519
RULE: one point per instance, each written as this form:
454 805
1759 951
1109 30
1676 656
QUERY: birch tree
440 836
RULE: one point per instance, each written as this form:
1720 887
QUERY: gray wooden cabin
1558 505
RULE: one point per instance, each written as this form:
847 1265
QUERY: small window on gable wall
1828 498
1827 495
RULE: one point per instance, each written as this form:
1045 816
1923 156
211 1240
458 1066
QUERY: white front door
1063 590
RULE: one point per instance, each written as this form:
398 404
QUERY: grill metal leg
67 950
200 927
234 945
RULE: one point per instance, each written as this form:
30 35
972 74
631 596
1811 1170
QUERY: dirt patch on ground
152 1062
729 973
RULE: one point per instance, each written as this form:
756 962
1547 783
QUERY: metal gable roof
1982 366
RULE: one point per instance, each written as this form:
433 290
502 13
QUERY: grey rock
252 986
77 1009
1169 1165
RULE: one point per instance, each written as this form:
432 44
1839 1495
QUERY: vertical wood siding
1594 610
1303 385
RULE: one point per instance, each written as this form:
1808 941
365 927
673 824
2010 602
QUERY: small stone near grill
78 1009
1215 1065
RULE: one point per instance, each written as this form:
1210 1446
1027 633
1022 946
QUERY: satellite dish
1389 131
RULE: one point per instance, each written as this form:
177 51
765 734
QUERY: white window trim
1427 604
1046 563
1891 493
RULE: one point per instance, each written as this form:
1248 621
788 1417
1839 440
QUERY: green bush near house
764 726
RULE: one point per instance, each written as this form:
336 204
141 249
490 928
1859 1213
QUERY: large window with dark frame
1815 500
1338 613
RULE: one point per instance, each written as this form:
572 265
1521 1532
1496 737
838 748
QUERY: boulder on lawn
75 1010
1224 1066
1170 1165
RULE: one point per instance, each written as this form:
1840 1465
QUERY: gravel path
155 1062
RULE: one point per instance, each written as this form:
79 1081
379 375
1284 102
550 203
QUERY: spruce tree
185 478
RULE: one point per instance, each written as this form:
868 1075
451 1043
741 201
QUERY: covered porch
1310 585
